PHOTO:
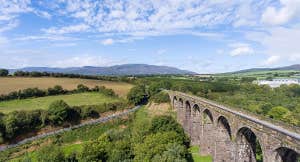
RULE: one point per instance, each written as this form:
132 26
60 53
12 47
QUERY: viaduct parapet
232 136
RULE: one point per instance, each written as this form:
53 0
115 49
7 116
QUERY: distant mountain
295 67
126 69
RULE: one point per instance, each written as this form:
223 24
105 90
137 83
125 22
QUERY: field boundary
90 122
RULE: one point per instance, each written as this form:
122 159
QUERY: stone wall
230 136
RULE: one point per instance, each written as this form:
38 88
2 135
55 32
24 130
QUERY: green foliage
50 153
57 89
137 95
3 72
82 88
278 112
156 144
164 124
96 150
58 112
161 97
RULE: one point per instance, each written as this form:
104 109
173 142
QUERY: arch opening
207 117
196 109
187 122
287 155
248 146
180 103
223 123
175 102
188 109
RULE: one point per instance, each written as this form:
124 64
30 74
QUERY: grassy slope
74 140
70 141
194 150
258 74
8 84
88 98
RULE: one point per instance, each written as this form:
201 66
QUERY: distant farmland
88 98
9 84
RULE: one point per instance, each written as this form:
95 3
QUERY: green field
88 98
263 74
194 150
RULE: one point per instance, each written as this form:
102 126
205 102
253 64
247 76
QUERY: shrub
50 154
137 95
58 112
161 97
82 88
3 72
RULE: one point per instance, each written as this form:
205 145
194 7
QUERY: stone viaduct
232 136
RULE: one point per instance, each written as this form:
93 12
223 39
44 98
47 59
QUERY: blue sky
198 35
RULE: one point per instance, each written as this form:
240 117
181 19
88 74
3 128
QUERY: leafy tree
161 97
278 112
4 72
137 95
58 112
57 89
96 150
50 153
155 144
82 88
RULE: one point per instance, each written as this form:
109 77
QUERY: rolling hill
125 69
295 67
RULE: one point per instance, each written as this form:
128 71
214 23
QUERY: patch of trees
69 75
56 90
162 139
4 72
59 113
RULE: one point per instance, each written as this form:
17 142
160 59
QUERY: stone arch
284 154
187 122
196 109
175 102
180 103
248 146
224 124
207 117
224 146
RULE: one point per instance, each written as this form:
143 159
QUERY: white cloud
9 11
279 41
158 16
67 29
271 60
289 10
240 49
108 41
85 60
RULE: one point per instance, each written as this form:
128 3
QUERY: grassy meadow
262 74
9 84
87 98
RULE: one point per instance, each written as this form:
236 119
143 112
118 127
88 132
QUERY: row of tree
56 90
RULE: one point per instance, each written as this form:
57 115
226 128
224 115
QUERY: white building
277 82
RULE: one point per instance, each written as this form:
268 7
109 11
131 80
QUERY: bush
50 154
3 72
161 97
137 95
58 112
55 90
82 88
